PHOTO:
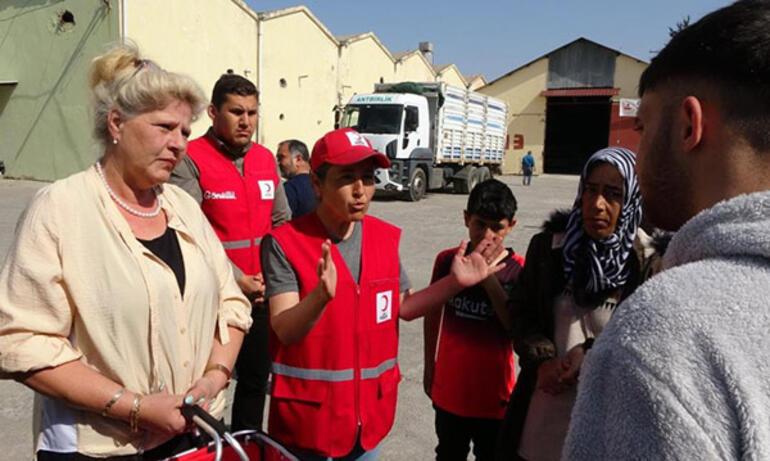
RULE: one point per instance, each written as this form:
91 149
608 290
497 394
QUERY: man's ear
115 123
513 223
212 111
316 184
466 218
691 116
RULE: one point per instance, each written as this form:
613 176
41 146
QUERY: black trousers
252 369
455 434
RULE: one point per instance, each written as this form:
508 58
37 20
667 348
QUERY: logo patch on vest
384 305
224 195
266 189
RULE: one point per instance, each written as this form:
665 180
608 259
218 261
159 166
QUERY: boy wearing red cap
336 290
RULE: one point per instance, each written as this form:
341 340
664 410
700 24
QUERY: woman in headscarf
578 269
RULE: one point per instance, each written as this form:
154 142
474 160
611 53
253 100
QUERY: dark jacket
532 301
300 195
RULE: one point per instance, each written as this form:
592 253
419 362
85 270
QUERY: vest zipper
357 363
249 207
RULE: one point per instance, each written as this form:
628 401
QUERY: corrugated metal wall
581 65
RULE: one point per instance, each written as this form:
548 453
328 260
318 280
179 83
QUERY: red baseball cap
345 147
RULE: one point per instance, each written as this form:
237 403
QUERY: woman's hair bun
119 60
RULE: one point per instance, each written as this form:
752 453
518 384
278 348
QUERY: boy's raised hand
327 271
482 262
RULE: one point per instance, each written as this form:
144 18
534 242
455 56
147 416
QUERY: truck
437 136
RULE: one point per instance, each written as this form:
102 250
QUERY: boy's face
480 228
347 190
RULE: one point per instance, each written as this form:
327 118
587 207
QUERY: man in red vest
336 290
236 182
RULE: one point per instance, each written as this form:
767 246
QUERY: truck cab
399 126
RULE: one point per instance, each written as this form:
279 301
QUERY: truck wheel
475 176
483 174
418 185
465 185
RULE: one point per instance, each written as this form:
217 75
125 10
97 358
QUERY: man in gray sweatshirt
682 371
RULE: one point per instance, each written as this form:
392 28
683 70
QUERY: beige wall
414 68
200 38
213 36
297 50
526 112
627 73
451 76
362 64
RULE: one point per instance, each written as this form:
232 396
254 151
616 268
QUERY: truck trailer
437 136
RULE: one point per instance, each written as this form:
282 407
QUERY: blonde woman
117 302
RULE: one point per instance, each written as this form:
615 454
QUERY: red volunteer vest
474 371
238 207
344 373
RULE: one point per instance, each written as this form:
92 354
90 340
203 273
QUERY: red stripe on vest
239 207
344 372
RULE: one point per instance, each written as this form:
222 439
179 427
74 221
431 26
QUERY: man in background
527 168
294 162
236 182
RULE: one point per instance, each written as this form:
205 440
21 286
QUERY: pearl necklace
124 205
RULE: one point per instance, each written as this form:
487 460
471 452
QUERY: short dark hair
231 84
728 50
322 171
492 199
296 147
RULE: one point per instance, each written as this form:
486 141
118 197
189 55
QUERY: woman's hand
327 273
203 391
570 365
548 377
161 413
480 264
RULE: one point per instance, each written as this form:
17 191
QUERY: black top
166 247
300 195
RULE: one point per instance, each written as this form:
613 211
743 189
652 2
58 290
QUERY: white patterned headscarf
605 259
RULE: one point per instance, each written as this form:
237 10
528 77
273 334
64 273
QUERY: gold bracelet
113 401
133 416
219 367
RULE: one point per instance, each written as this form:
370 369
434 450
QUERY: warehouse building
568 103
303 71
451 74
300 72
475 81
